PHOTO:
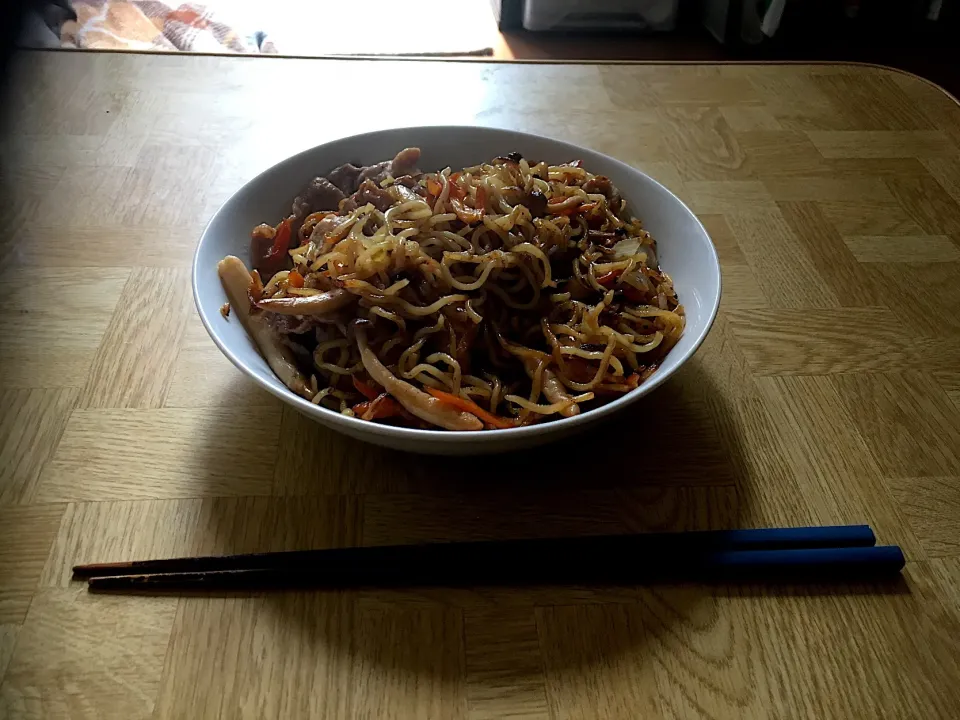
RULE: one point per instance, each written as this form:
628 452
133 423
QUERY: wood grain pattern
701 144
931 505
927 203
711 196
64 317
803 342
921 427
203 377
313 460
229 526
896 250
683 623
288 656
783 268
175 450
872 102
874 217
945 172
504 672
411 664
8 640
801 187
409 518
828 625
117 246
26 535
151 313
770 490
744 118
594 661
782 153
121 529
833 262
924 295
882 144
835 472
85 656
699 86
827 391
30 427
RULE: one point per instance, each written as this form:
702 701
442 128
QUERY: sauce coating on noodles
489 297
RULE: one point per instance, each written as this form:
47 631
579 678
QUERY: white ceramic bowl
685 250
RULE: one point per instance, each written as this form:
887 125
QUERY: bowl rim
414 436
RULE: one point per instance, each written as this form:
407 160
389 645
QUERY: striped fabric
156 25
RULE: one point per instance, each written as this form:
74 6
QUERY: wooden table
827 392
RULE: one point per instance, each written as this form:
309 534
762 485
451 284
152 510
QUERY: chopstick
814 552
800 565
529 549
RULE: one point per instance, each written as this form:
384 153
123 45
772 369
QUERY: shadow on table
673 462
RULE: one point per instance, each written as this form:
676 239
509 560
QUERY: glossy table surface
827 392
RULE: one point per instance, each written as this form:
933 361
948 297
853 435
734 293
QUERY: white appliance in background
658 15
758 20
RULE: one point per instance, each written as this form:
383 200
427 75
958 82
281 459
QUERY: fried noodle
515 292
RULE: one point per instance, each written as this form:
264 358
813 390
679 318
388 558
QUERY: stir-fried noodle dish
489 297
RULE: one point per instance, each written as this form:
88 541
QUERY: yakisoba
493 296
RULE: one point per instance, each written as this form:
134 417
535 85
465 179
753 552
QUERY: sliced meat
375 173
536 203
262 257
330 229
320 194
375 195
409 181
603 185
405 162
260 254
346 178
371 193
404 193
599 184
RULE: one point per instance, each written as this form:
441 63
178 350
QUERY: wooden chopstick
840 552
520 551
797 565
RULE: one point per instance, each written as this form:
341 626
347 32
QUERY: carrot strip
368 392
255 290
456 191
281 240
295 279
609 278
381 408
471 407
468 215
